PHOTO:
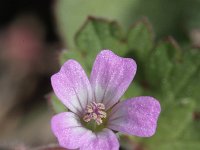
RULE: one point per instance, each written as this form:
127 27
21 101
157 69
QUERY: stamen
95 111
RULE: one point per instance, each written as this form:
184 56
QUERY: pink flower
95 110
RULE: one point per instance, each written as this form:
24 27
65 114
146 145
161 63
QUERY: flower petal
67 128
72 86
111 76
104 140
137 116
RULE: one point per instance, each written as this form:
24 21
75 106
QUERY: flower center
96 112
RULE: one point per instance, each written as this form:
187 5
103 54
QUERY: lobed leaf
140 39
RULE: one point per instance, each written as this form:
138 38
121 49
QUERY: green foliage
98 34
169 17
158 66
165 71
72 13
142 45
56 104
174 121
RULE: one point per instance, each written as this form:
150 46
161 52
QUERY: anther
95 111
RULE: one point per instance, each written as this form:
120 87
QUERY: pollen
95 111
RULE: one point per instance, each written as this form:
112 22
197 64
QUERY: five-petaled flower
95 110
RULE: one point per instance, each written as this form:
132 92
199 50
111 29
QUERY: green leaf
99 34
87 39
177 145
183 70
134 90
140 39
71 14
174 119
56 104
191 86
190 133
159 65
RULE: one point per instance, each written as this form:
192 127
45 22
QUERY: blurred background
33 33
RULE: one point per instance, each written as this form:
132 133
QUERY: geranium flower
95 110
